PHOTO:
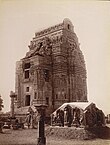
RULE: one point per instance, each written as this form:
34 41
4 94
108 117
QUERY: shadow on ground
100 132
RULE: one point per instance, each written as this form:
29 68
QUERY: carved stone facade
53 71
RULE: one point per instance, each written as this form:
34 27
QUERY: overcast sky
20 19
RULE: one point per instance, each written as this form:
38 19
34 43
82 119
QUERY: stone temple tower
53 71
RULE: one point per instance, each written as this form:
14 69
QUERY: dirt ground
29 137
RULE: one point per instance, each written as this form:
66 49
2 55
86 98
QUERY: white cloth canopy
80 105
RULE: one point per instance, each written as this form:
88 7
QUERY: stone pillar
41 127
12 96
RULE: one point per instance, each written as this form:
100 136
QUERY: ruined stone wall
18 83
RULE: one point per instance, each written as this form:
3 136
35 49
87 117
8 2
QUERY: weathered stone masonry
53 70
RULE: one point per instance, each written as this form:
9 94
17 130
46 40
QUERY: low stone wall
69 133
78 133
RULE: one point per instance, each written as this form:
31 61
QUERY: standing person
28 119
58 117
35 119
1 125
61 117
68 109
76 113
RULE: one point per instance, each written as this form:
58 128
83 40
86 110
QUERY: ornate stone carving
49 30
32 45
43 48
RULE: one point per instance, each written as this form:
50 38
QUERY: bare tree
1 106
1 103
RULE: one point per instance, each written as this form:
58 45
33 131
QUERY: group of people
69 116
32 119
90 117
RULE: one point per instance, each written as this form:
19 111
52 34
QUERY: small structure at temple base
12 96
13 118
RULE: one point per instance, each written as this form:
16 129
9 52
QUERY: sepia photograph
54 72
